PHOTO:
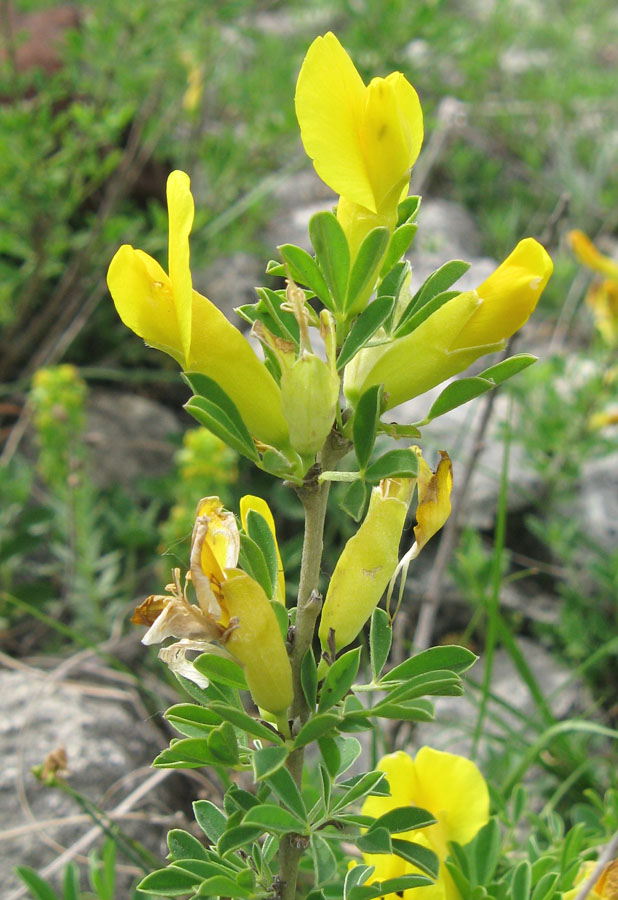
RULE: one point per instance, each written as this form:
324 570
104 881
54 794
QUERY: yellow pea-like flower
163 309
605 887
257 644
363 139
251 502
366 564
232 616
450 339
448 786
590 256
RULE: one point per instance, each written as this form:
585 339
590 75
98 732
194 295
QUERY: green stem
314 497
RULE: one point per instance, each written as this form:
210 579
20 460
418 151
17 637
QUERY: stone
109 746
128 436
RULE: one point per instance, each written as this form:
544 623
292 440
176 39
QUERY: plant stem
314 497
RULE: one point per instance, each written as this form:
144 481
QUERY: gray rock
109 747
596 502
128 435
230 282
298 197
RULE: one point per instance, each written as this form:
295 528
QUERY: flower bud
256 642
366 564
309 395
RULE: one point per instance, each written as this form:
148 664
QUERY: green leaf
309 678
411 323
327 785
522 881
376 840
303 269
213 408
331 755
339 679
284 787
366 266
35 884
404 818
439 682
253 562
356 876
170 882
508 367
546 886
71 881
240 836
281 615
403 883
221 669
220 886
183 845
259 531
201 869
350 750
276 463
365 425
364 328
192 720
223 744
408 209
393 464
275 819
210 819
400 242
360 786
315 728
268 760
354 499
438 282
238 799
245 722
419 711
487 851
393 282
286 326
421 857
188 753
456 659
324 861
456 394
333 254
380 637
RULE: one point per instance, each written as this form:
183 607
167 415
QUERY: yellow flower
232 609
448 786
168 314
455 335
366 564
363 139
370 558
606 886
588 254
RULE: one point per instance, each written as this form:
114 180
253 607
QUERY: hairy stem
314 497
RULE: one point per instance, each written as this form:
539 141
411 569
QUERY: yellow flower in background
169 315
455 335
233 615
448 786
371 556
602 296
363 139
590 256
606 886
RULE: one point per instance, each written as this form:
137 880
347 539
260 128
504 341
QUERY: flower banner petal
181 212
